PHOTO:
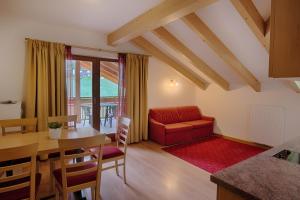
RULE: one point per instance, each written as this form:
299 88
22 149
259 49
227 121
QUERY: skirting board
243 141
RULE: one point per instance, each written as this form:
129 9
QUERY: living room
223 71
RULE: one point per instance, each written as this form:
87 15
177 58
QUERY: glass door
79 90
109 80
92 91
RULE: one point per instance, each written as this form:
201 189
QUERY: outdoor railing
75 107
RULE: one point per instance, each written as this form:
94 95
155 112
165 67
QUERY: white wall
12 56
161 93
232 111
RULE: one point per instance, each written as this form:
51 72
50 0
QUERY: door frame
95 84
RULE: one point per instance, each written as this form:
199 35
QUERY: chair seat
110 152
79 179
178 127
199 123
22 193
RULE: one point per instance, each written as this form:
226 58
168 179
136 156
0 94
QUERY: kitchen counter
261 177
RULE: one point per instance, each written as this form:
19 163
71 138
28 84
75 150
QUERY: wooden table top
46 145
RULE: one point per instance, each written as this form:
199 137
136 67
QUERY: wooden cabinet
225 194
285 39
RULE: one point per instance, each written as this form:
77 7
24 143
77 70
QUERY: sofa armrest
157 131
208 118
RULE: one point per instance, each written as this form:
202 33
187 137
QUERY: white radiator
10 111
267 124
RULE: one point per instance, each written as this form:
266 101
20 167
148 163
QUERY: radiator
10 111
267 124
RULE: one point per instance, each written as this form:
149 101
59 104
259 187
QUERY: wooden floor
151 174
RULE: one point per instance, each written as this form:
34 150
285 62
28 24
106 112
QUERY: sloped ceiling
105 16
228 25
224 20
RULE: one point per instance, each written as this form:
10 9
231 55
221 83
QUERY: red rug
213 154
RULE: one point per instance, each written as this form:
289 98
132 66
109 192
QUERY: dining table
45 144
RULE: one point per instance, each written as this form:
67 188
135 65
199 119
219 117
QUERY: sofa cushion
189 113
178 127
199 123
165 115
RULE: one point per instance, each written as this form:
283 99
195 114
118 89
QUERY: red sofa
168 126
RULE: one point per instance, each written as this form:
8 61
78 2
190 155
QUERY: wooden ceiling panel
112 65
109 76
109 69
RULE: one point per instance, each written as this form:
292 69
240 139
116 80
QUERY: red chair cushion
22 193
199 123
165 115
178 127
189 113
77 180
110 152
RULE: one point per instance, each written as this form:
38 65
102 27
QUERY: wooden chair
65 120
53 157
22 185
22 126
114 153
25 125
72 176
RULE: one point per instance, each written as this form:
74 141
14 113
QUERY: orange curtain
135 96
45 91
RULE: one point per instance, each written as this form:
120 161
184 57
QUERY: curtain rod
92 48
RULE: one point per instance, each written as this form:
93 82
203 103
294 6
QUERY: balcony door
92 89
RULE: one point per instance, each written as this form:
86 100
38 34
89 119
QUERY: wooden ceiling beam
268 33
160 15
178 46
111 65
109 76
255 21
86 64
184 70
107 68
199 27
106 73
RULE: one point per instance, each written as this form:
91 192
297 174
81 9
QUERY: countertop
263 176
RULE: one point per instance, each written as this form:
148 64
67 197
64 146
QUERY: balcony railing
83 107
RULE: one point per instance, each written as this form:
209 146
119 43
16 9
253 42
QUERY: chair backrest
89 157
123 131
25 125
27 173
65 120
